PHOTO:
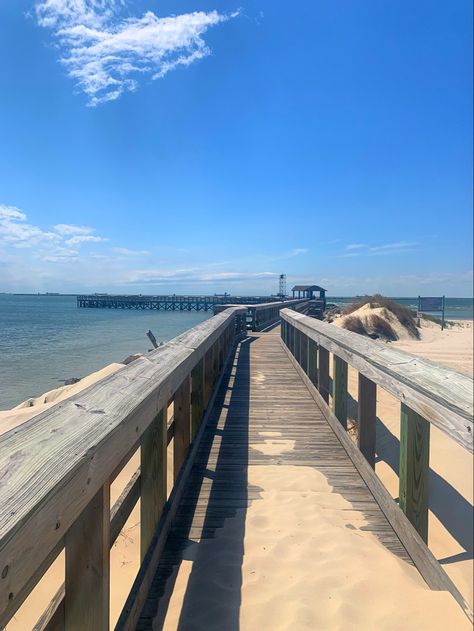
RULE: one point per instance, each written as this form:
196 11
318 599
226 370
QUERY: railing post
339 390
304 352
298 345
197 392
324 373
414 469
367 413
208 382
182 424
87 583
153 469
312 361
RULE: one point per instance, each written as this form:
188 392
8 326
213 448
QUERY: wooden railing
261 316
56 470
428 394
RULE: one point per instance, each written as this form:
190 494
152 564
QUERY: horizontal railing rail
56 470
428 394
264 315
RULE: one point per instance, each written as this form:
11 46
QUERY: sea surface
47 339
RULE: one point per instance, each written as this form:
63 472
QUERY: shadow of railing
444 501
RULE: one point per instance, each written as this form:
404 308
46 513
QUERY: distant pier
167 303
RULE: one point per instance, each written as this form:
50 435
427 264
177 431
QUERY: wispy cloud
106 53
194 275
85 238
362 249
68 228
17 232
53 245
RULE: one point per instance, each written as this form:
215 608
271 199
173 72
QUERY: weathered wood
323 373
429 568
441 395
82 440
182 424
339 390
304 353
367 415
152 339
52 618
86 604
312 361
414 469
131 610
153 478
208 375
197 396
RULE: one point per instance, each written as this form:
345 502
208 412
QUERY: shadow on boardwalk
445 502
208 535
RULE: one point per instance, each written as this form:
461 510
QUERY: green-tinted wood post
87 583
215 362
414 469
339 390
367 413
297 345
207 376
312 361
304 352
153 468
182 424
197 395
324 373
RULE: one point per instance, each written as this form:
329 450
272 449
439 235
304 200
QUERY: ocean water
46 339
455 308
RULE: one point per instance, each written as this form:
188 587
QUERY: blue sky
208 146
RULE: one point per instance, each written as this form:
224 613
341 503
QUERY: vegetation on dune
405 316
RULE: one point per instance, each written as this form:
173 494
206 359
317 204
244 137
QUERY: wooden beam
367 414
339 390
153 478
312 361
86 604
323 372
197 394
414 469
304 352
182 424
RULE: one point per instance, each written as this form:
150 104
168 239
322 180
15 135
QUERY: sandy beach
279 581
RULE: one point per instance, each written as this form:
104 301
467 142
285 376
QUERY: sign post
432 304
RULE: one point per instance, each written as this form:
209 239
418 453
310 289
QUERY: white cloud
195 276
356 246
127 252
17 232
84 238
68 228
106 54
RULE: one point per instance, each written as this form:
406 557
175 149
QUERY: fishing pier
166 303
213 394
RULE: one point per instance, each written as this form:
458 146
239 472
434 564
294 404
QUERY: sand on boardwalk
259 574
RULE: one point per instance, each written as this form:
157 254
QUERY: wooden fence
56 471
427 393
266 314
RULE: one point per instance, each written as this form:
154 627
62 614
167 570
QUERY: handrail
429 394
442 395
57 467
260 316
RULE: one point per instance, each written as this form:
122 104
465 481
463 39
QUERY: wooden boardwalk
261 395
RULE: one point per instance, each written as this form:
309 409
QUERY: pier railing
263 315
56 470
427 394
